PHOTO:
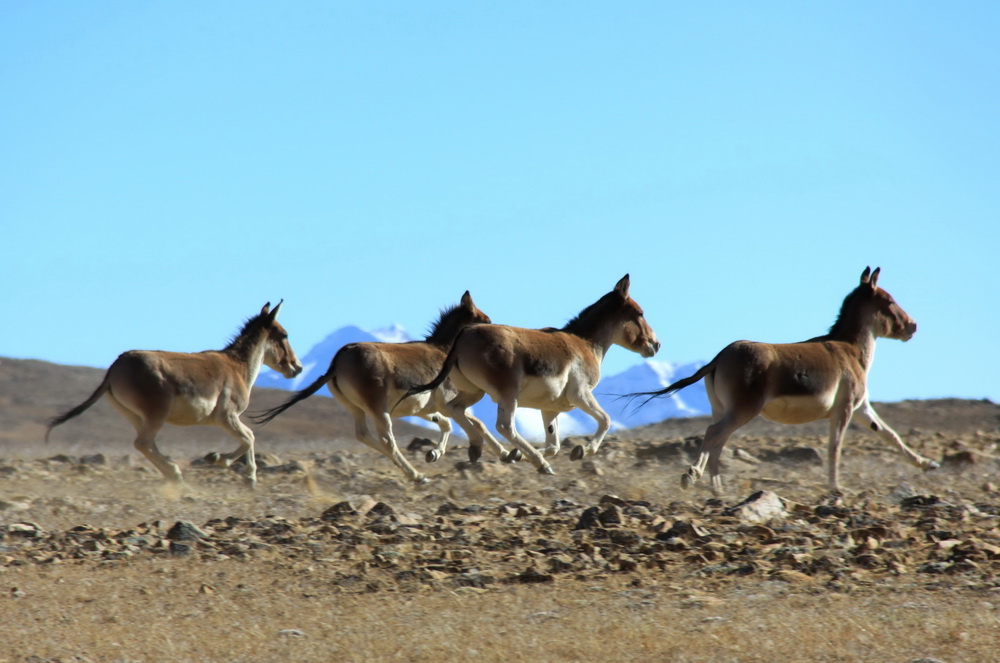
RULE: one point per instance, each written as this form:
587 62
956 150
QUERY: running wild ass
795 383
552 370
153 388
370 380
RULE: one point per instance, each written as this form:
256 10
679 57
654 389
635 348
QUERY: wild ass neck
248 351
600 336
857 330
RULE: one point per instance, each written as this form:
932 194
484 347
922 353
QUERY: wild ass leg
727 420
237 429
867 415
361 432
716 436
550 420
476 431
590 405
383 426
443 423
506 407
145 440
839 419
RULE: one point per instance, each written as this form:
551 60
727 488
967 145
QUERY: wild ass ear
467 300
874 279
622 286
273 315
866 275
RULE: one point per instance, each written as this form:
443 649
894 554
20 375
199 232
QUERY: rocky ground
341 520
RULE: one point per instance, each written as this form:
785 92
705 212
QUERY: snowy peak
316 362
650 375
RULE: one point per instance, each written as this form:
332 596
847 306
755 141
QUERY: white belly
544 394
798 409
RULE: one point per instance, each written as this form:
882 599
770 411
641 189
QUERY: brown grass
185 610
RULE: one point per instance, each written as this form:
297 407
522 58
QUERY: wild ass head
617 319
278 353
869 306
634 333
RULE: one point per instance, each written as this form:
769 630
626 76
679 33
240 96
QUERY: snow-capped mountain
646 376
649 375
317 360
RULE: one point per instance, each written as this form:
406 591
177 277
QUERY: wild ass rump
151 388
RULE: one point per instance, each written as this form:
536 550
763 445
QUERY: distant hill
32 392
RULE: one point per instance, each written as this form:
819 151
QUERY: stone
185 531
761 507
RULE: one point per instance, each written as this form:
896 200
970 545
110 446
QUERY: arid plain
335 557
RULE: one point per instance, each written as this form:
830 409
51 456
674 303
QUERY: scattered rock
959 460
667 451
480 526
745 456
793 454
761 507
185 531
419 445
589 519
531 575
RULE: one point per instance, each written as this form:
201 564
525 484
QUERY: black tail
449 363
676 386
262 418
79 409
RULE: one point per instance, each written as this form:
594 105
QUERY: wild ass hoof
579 451
546 469
512 456
432 455
927 464
421 480
214 458
475 453
686 480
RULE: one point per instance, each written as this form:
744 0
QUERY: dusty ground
336 557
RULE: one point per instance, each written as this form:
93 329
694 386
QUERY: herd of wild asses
466 356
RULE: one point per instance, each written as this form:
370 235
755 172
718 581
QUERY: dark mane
847 312
585 320
248 331
448 324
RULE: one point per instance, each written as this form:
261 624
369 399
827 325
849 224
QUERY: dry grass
186 610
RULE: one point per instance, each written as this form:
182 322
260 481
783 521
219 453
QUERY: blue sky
167 167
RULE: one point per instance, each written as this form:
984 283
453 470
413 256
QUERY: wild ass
553 370
795 383
369 379
151 388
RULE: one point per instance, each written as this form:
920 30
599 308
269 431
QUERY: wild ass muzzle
552 370
795 383
151 388
370 380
